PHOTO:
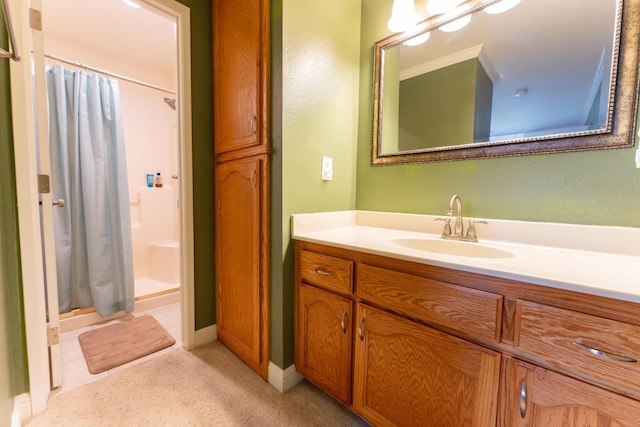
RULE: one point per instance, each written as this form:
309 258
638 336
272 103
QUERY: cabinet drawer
598 350
327 271
462 309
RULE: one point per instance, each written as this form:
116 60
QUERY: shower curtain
88 166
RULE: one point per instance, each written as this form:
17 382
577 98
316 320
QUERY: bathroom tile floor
74 367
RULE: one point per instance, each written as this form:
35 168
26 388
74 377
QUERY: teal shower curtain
88 166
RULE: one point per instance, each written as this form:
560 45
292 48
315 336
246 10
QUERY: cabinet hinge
43 184
35 19
53 336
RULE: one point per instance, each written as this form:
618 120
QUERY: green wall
202 113
13 365
595 187
441 107
320 73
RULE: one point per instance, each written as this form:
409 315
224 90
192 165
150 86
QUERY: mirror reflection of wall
530 72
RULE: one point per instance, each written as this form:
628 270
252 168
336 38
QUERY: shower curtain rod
107 73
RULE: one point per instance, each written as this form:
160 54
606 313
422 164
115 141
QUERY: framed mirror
545 76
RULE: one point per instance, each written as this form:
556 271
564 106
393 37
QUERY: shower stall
150 117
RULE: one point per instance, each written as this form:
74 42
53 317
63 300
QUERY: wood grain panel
610 308
557 400
467 310
323 347
238 65
409 375
549 334
327 271
242 286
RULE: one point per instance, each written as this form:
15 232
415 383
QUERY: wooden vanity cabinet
407 374
539 397
441 347
325 336
387 368
598 350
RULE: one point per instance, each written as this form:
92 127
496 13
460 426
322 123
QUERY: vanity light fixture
438 7
501 6
131 3
403 16
456 25
416 38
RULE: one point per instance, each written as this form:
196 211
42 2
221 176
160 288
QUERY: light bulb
403 16
417 40
456 25
438 7
501 6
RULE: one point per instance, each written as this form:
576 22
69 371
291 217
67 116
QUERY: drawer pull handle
523 399
360 326
602 353
323 272
343 322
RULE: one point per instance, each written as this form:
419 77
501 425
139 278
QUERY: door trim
27 194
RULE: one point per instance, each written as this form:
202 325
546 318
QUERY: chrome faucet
458 228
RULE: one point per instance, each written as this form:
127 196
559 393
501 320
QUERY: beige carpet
206 387
114 345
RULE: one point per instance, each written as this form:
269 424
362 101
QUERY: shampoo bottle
158 180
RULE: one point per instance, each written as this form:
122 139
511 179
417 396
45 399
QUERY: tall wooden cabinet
241 147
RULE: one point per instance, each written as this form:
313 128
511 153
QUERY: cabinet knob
323 272
254 125
523 399
360 328
602 353
343 322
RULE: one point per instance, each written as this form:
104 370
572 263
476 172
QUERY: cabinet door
407 374
239 73
538 397
241 265
324 335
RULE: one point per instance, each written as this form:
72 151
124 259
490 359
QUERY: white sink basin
452 247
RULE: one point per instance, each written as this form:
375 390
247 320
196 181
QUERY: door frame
27 194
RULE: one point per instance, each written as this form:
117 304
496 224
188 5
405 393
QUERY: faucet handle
471 231
446 231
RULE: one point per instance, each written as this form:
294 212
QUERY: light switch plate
327 168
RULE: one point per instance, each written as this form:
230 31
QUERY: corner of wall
283 380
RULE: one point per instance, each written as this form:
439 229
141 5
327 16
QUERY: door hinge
53 336
35 19
43 184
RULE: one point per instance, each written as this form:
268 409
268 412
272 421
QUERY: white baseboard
21 409
283 380
205 335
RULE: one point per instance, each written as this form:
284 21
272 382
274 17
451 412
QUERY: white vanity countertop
596 260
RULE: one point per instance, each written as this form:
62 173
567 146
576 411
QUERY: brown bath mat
114 345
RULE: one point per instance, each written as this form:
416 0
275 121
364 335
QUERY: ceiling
551 48
142 35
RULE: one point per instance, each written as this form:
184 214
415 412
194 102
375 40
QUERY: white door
46 200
